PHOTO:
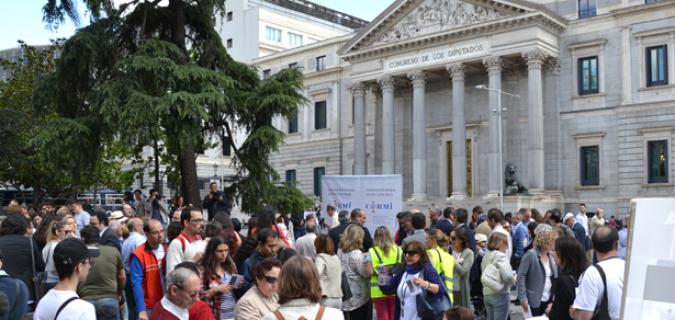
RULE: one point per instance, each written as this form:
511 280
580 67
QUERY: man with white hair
182 290
577 229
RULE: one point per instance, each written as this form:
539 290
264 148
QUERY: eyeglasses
197 220
271 280
411 253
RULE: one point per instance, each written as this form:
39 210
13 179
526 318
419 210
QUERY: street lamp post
499 112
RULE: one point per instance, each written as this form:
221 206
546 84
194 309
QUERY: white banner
380 196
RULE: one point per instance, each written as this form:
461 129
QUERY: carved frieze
438 15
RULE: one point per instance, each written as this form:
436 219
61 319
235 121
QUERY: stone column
458 133
388 158
359 129
419 135
494 68
535 120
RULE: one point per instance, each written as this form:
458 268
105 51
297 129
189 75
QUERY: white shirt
301 308
583 220
591 289
81 219
501 229
76 310
546 294
175 254
172 308
407 296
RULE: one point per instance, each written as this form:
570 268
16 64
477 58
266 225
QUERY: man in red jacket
183 289
147 268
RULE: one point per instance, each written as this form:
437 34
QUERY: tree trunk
188 174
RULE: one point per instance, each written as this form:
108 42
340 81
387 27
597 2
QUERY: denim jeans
106 308
497 306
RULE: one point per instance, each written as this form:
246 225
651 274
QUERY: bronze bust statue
511 184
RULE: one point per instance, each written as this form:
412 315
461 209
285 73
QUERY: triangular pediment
408 19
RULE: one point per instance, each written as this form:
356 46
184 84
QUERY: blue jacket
520 240
428 273
17 297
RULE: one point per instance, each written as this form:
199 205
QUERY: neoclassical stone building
579 94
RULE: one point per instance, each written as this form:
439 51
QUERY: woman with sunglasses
464 258
61 228
262 298
219 270
419 275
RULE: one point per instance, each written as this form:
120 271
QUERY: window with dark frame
272 34
266 74
293 65
229 43
657 65
587 8
589 166
588 75
320 63
320 115
293 123
290 178
318 175
229 16
657 161
227 149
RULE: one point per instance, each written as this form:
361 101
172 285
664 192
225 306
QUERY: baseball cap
118 215
72 251
567 216
481 237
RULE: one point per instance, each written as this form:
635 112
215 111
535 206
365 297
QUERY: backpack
318 316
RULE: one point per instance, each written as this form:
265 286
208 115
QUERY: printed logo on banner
339 205
374 207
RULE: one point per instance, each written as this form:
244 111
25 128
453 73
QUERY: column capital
535 58
493 64
553 65
358 89
386 83
456 71
418 78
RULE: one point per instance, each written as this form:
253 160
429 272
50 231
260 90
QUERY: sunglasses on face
271 280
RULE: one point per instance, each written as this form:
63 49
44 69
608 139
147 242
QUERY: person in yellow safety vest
443 262
384 259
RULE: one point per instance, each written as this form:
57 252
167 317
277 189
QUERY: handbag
491 278
431 306
39 280
393 269
346 290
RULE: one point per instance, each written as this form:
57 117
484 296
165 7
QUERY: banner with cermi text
380 196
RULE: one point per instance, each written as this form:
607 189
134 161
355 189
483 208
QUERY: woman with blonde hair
497 277
382 258
300 293
464 258
442 261
61 228
354 264
537 272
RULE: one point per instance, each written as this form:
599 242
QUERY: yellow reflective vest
444 263
394 256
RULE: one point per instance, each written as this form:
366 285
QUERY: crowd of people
153 261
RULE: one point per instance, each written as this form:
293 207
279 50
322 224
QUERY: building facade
579 94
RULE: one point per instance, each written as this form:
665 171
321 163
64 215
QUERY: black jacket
336 234
17 259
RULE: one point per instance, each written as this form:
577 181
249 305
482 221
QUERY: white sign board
650 260
438 55
380 196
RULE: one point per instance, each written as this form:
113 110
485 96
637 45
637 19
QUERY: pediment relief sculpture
438 15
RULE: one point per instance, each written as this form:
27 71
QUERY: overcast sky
22 19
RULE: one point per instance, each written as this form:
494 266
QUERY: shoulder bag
39 280
431 306
344 284
602 311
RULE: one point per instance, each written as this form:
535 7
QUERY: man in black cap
72 261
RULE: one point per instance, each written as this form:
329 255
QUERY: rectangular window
657 65
294 40
266 74
229 43
320 63
651 1
318 175
657 158
272 34
227 150
229 16
290 177
293 123
293 65
589 166
588 75
320 115
587 8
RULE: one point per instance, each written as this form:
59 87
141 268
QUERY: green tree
148 72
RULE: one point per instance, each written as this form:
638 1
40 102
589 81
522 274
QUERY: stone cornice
541 18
